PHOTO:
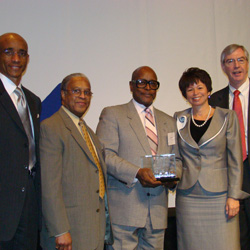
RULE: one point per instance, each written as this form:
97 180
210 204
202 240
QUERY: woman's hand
232 207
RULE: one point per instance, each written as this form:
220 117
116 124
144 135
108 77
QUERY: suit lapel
184 129
99 152
214 128
223 98
69 124
33 111
162 131
136 125
10 108
248 123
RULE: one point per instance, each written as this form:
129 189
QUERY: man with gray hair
235 64
73 174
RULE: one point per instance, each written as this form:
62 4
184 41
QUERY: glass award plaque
163 166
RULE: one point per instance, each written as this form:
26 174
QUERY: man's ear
63 95
131 86
223 67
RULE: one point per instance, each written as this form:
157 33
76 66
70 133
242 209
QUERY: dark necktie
151 131
93 153
24 116
238 109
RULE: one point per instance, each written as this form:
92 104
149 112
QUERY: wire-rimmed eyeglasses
240 60
78 92
11 52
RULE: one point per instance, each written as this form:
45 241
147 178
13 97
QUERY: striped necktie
93 153
151 131
23 112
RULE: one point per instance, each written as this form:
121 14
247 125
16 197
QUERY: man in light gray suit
73 206
138 202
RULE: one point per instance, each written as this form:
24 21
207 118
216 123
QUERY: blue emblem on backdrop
51 103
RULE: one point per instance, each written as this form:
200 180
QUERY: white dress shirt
244 98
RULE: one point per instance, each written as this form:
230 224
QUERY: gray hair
67 79
230 49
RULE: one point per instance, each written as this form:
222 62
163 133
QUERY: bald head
11 36
141 71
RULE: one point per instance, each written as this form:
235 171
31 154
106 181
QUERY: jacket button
148 194
23 189
97 191
97 210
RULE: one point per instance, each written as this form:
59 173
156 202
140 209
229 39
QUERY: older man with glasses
235 63
73 174
138 202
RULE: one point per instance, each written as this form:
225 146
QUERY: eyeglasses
240 60
10 52
142 84
78 92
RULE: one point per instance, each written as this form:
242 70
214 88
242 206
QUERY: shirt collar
141 108
8 84
73 117
243 88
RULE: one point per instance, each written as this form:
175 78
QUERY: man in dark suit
235 63
19 151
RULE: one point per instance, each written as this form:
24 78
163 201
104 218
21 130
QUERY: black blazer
14 160
221 99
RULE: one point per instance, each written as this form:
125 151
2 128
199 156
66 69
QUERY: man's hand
232 207
170 185
147 178
64 242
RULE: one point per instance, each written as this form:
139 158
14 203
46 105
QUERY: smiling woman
210 188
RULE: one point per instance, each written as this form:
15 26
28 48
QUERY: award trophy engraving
163 166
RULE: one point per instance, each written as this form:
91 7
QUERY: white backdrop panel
108 39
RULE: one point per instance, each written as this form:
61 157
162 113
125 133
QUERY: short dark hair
194 75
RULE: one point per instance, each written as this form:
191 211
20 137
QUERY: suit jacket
221 99
14 155
123 135
70 184
216 161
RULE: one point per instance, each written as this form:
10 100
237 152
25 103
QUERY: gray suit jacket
70 184
216 161
125 141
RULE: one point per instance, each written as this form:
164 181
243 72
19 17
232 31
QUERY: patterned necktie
151 131
238 109
93 153
24 116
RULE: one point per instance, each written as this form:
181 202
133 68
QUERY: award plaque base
167 179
